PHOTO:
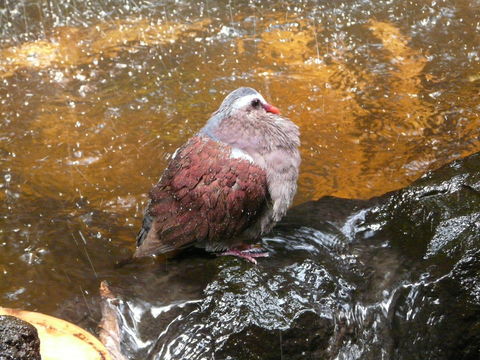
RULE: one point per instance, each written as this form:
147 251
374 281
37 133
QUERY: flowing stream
95 96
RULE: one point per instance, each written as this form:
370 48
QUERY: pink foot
249 254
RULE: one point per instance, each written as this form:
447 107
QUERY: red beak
270 108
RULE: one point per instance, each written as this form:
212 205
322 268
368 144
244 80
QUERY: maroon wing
204 196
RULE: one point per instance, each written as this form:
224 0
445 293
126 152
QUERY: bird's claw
249 254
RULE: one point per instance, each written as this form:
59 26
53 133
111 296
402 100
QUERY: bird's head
242 108
246 101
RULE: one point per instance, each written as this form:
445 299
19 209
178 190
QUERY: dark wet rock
394 277
440 318
306 338
18 339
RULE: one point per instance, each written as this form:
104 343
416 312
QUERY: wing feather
205 196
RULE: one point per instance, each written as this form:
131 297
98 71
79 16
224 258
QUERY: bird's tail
146 225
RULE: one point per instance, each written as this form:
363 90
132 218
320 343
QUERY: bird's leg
247 252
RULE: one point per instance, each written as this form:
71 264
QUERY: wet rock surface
18 339
394 277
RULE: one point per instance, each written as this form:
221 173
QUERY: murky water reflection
95 97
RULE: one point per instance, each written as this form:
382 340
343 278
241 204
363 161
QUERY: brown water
95 97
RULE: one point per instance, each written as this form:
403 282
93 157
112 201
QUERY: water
96 96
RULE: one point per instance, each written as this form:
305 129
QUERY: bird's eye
255 103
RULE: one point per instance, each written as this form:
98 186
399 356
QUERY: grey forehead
243 91
239 93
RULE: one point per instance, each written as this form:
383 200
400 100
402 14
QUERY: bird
227 185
